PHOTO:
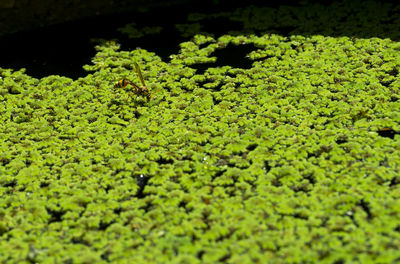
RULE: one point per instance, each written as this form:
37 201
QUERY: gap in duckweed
141 182
394 181
388 132
55 215
232 55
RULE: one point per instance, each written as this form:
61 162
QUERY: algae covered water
287 151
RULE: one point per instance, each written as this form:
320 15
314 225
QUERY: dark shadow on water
64 49
232 55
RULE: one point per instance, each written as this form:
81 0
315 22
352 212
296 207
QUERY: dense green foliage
286 162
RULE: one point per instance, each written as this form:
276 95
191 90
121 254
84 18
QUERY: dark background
55 37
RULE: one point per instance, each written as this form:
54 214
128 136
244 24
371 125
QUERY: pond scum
295 160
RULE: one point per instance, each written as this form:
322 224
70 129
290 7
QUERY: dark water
63 49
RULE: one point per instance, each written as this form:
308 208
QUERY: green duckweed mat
294 160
